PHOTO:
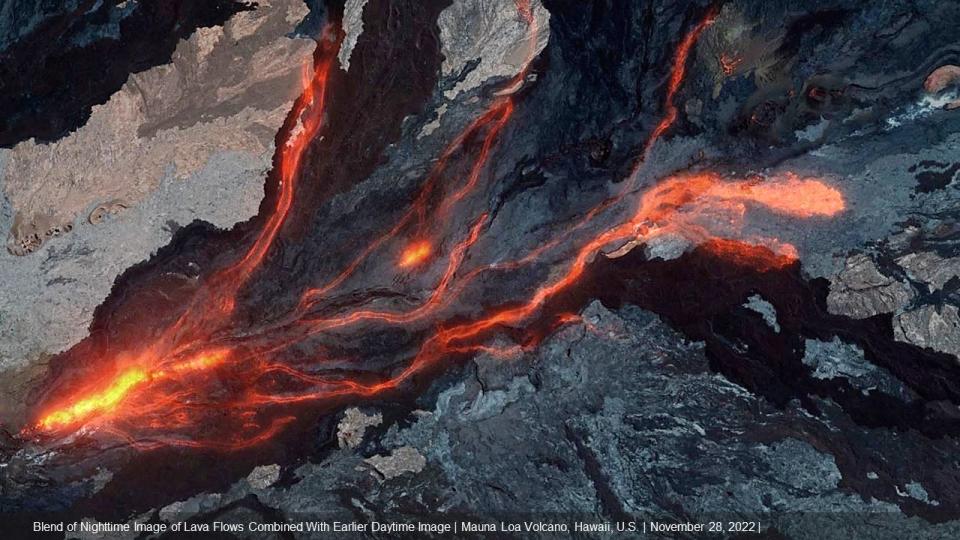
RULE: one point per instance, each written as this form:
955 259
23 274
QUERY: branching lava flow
241 388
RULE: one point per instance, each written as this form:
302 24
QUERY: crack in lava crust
190 382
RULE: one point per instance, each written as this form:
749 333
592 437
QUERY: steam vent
296 269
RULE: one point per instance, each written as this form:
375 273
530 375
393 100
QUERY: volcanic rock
482 40
861 291
934 327
928 267
940 79
405 459
354 424
189 140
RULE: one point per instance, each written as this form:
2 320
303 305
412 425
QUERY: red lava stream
164 392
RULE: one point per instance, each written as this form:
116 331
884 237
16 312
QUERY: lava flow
181 351
671 207
236 389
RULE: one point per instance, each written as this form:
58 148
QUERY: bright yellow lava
108 399
102 401
415 254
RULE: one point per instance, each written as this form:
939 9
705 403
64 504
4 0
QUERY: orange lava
415 254
161 396
677 74
170 358
660 210
308 112
105 400
210 310
493 120
760 258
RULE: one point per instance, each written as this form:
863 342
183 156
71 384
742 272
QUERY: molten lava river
209 380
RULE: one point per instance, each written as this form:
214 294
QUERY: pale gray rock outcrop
352 28
492 33
263 476
861 291
933 327
930 268
838 360
48 298
400 461
353 426
765 309
226 89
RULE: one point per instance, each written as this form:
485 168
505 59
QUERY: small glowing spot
415 254
729 63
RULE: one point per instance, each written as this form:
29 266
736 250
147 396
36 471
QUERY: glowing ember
759 258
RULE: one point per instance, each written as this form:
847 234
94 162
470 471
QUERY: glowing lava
107 399
415 254
210 309
660 210
729 63
162 396
138 392
493 119
677 75
99 402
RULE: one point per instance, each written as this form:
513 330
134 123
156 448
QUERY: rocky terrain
731 359
186 140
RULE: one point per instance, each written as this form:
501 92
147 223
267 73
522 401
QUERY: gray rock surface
934 327
403 460
185 141
227 90
49 298
491 34
354 424
579 429
765 309
861 291
352 28
619 415
928 267
263 476
836 359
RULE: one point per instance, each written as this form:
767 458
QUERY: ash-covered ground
757 356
